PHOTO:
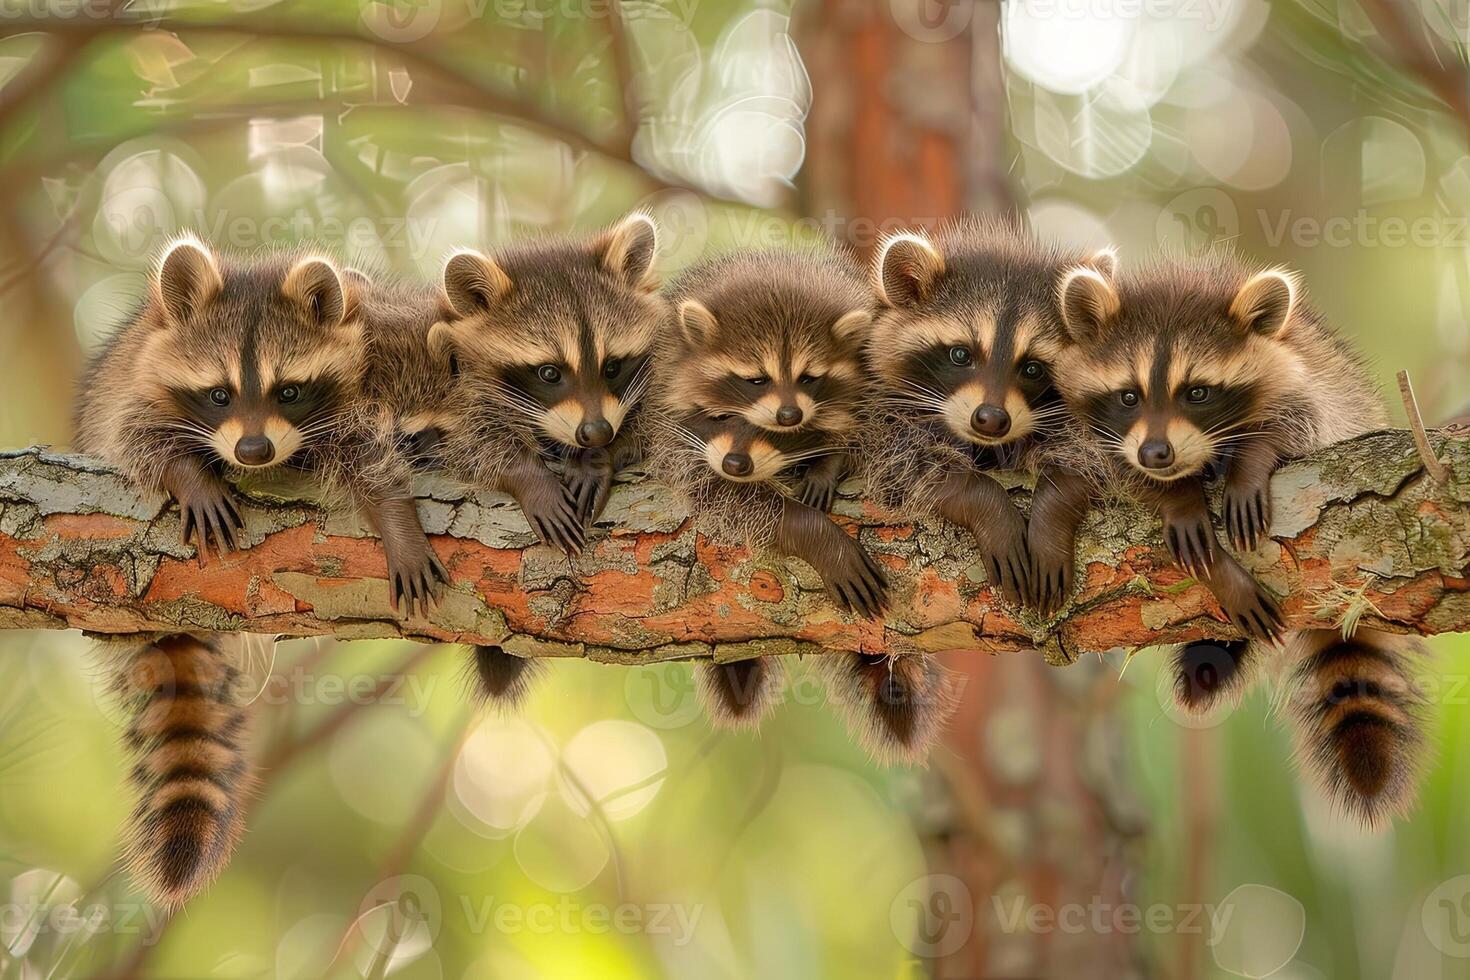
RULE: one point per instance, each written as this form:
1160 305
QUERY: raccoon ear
1087 301
473 282
356 277
188 278
907 268
697 322
852 326
627 250
441 340
1105 261
316 285
1265 303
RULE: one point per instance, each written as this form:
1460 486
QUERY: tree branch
1359 531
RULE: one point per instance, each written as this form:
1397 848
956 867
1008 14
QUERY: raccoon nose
595 435
989 420
788 415
738 464
254 450
1156 454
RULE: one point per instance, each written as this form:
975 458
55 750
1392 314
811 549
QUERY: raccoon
760 381
964 349
232 366
1205 367
896 706
550 343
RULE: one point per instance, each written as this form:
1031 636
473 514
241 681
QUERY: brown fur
188 733
742 693
896 707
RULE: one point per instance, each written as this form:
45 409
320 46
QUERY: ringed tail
1208 673
741 693
188 734
502 679
1359 720
896 706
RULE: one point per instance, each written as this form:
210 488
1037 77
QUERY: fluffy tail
1359 720
1210 672
740 694
187 732
500 678
897 706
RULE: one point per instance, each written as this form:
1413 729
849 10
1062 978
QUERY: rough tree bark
1357 528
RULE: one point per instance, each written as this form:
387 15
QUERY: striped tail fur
502 679
896 706
187 733
741 693
1208 673
1359 720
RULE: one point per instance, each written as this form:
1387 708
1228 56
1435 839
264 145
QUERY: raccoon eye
960 356
1033 370
549 373
758 381
289 394
1197 394
219 396
808 379
1128 398
612 369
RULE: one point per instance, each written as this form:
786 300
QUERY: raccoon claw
211 513
415 584
589 479
1009 568
1247 516
1248 606
1050 582
818 493
557 524
857 583
1192 543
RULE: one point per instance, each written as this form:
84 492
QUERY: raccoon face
559 334
743 453
1171 373
252 362
774 339
972 338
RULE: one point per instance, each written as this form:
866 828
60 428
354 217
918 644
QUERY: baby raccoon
760 381
1198 368
964 348
550 343
229 367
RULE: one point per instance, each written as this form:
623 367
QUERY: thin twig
1421 438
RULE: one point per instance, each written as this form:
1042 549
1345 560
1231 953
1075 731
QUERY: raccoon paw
1247 515
818 491
210 510
1051 573
552 514
589 474
416 579
1192 543
1250 608
1007 558
855 581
